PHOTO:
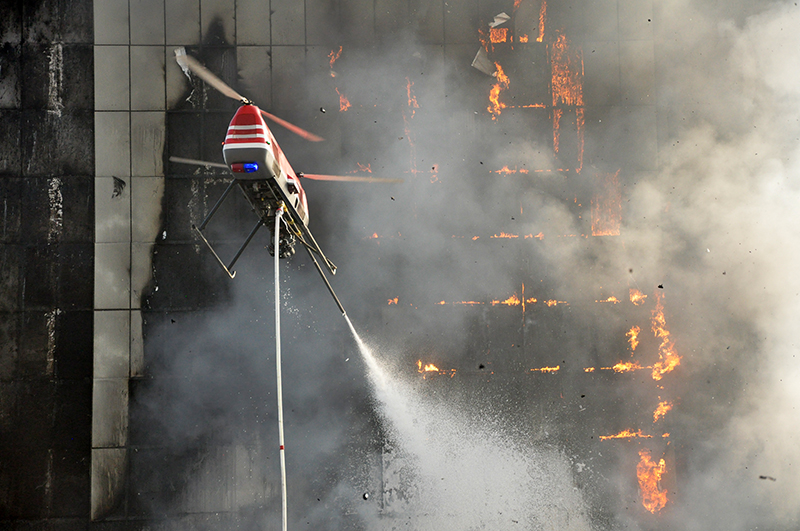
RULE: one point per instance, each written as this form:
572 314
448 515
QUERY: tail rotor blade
190 63
291 127
347 178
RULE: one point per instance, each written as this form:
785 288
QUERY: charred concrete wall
47 250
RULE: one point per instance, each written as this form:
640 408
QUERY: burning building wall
599 200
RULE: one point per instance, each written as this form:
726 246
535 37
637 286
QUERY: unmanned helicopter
263 174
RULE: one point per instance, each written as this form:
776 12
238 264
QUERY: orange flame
505 170
393 301
567 73
588 369
649 474
505 235
607 207
344 103
334 56
661 410
626 434
553 302
637 297
612 299
668 358
627 366
498 35
522 38
547 369
557 114
497 106
364 168
542 17
430 367
633 337
511 301
412 99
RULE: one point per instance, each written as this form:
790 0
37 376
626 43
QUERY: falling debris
499 20
180 57
767 477
482 62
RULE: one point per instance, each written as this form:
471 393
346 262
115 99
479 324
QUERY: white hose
276 245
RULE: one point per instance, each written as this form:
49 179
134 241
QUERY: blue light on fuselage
244 167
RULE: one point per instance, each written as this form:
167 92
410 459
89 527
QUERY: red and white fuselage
252 154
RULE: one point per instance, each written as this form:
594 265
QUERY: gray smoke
712 221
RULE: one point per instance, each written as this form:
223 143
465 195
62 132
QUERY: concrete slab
252 23
461 22
146 196
184 22
108 485
141 271
322 23
10 142
288 64
148 79
10 97
111 24
390 17
429 17
110 413
635 19
255 73
621 137
217 22
288 22
112 207
357 21
601 73
111 74
112 276
112 144
178 85
637 72
137 345
147 21
112 344
147 144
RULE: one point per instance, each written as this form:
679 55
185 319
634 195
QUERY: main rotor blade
291 127
181 160
187 61
347 178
